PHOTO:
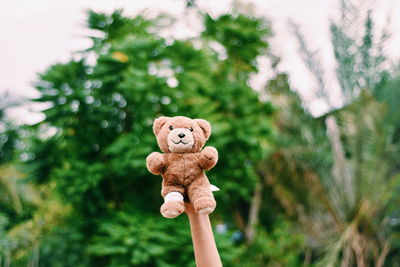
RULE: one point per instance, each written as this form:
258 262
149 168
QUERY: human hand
189 209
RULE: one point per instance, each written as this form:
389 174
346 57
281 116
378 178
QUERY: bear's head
181 134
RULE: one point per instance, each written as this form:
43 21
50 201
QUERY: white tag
173 196
213 188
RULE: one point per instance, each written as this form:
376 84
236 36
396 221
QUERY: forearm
205 249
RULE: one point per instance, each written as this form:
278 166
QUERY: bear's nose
181 135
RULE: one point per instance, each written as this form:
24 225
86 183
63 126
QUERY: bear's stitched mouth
180 141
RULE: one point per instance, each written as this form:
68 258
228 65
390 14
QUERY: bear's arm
208 158
156 163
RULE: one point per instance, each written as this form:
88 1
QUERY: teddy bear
183 163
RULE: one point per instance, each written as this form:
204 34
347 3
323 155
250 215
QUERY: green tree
18 198
340 171
90 149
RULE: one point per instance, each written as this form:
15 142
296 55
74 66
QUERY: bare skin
205 250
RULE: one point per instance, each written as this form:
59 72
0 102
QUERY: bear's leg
200 195
173 201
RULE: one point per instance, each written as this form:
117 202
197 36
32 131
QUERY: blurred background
304 101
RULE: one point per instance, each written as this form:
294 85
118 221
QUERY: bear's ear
159 123
205 126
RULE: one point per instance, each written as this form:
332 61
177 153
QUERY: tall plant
97 133
347 160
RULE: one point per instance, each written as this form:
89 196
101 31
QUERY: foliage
281 247
89 152
285 176
8 133
18 199
141 240
347 160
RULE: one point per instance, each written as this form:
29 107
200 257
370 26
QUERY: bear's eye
171 128
191 129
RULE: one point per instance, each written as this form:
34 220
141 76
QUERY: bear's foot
204 205
172 209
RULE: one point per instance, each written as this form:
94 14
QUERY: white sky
36 34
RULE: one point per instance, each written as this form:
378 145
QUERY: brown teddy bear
183 163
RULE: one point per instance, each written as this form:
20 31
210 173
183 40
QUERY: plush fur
183 163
